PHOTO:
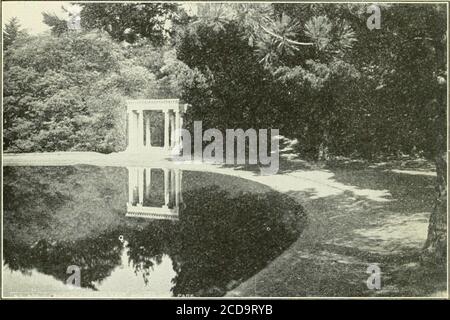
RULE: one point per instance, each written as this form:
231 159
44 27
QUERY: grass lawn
358 214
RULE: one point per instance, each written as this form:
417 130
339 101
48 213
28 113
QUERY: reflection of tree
61 216
30 188
62 203
96 257
231 237
146 247
219 238
156 189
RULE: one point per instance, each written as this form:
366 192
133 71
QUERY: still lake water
146 232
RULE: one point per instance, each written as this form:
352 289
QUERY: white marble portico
139 133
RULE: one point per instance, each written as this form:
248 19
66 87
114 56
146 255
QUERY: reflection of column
177 187
180 183
148 138
148 181
136 182
166 187
166 129
172 185
130 186
140 130
141 186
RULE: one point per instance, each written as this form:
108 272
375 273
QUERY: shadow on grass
350 229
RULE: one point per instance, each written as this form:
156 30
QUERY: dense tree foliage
66 93
314 71
233 80
130 21
329 81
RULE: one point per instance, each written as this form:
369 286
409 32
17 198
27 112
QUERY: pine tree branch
286 39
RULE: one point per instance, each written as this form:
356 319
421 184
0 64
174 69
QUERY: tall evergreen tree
11 32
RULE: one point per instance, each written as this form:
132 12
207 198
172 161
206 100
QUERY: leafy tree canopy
132 21
67 92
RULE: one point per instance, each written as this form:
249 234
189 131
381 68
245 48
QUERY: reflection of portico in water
154 193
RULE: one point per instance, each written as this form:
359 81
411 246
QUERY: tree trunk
323 153
435 250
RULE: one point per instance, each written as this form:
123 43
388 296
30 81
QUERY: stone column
166 188
181 119
172 129
178 127
140 130
130 132
148 137
166 129
135 129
